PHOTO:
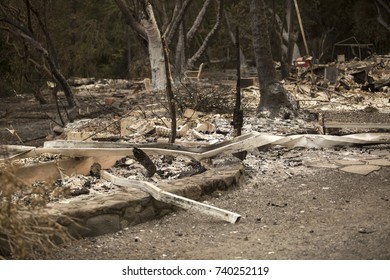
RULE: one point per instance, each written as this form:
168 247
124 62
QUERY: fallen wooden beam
331 124
171 198
52 170
373 121
238 144
101 149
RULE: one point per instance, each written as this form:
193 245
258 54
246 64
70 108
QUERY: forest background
91 38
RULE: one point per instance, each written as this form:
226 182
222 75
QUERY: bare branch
198 21
384 5
380 17
122 5
171 31
202 49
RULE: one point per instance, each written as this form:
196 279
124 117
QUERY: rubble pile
345 85
205 118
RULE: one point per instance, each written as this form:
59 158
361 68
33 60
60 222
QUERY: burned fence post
238 115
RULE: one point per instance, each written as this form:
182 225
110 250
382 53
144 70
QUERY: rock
380 162
360 169
205 127
79 191
102 224
58 129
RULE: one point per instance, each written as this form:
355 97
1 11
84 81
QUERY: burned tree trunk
170 97
238 117
273 97
291 40
243 63
238 114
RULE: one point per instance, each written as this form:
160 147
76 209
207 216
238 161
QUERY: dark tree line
53 40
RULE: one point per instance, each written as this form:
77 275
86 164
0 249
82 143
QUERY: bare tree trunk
199 18
173 27
122 5
170 97
128 56
191 62
147 29
292 38
64 84
238 114
180 53
243 63
156 54
273 98
180 46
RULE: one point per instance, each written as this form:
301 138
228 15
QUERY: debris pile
345 85
205 131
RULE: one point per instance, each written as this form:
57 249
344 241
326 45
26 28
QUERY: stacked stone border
108 213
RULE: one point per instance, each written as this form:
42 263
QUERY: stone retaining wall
110 213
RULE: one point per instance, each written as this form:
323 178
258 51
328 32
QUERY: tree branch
198 21
202 49
384 5
122 5
174 25
380 17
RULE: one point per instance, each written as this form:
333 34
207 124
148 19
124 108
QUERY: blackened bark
238 117
292 38
273 97
170 97
145 161
238 114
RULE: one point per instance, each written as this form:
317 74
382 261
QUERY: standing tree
141 17
274 99
147 29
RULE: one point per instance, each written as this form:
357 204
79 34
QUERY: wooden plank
101 149
171 198
238 144
331 124
52 170
11 151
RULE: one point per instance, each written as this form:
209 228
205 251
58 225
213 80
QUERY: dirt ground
289 211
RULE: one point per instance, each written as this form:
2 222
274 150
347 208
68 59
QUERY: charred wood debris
122 111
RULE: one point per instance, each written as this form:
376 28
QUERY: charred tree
170 96
292 38
147 30
274 101
238 114
21 28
